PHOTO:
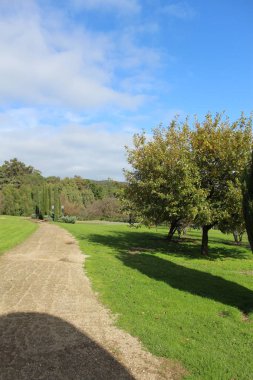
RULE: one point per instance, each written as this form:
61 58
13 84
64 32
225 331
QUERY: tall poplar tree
45 201
57 204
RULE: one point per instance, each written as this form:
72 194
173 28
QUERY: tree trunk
235 234
204 246
248 216
248 202
237 237
172 230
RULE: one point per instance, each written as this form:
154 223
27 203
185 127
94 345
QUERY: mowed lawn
13 230
195 310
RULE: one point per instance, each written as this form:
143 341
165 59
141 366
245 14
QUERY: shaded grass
13 230
182 306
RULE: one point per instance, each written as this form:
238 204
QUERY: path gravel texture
52 325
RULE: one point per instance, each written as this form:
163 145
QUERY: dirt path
52 325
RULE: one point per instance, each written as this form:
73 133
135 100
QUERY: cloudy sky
79 77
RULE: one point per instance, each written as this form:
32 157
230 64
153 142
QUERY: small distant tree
97 190
11 200
14 172
106 209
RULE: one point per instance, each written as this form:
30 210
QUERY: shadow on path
40 346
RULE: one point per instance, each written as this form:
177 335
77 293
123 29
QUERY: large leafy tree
221 151
18 183
16 173
164 183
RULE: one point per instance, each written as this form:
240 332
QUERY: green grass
13 230
195 310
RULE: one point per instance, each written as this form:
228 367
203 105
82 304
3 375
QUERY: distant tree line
25 192
186 175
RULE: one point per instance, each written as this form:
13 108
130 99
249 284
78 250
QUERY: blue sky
79 77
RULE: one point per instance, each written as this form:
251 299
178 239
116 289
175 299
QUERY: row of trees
24 191
184 175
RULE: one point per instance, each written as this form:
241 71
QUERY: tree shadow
41 346
177 276
156 242
191 280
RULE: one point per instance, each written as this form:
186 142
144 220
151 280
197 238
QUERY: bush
48 218
68 219
105 209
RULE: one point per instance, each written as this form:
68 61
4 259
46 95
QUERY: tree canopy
24 191
221 151
191 174
164 185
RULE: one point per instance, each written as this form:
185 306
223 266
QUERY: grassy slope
181 306
13 230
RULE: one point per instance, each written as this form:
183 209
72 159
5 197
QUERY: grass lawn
13 230
195 310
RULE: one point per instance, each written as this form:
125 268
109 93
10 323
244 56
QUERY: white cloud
90 152
12 119
57 77
76 146
180 10
45 64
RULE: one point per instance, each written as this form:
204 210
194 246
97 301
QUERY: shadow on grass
188 247
191 280
138 252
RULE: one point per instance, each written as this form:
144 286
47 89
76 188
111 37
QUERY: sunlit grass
182 306
13 230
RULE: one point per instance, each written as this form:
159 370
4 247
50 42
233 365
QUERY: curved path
52 325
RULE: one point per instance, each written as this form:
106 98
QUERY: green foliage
70 190
23 191
221 151
104 189
45 201
68 219
181 306
164 185
14 171
57 213
87 196
11 200
233 222
97 190
50 198
19 184
188 175
105 209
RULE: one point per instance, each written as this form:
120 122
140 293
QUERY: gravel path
52 325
